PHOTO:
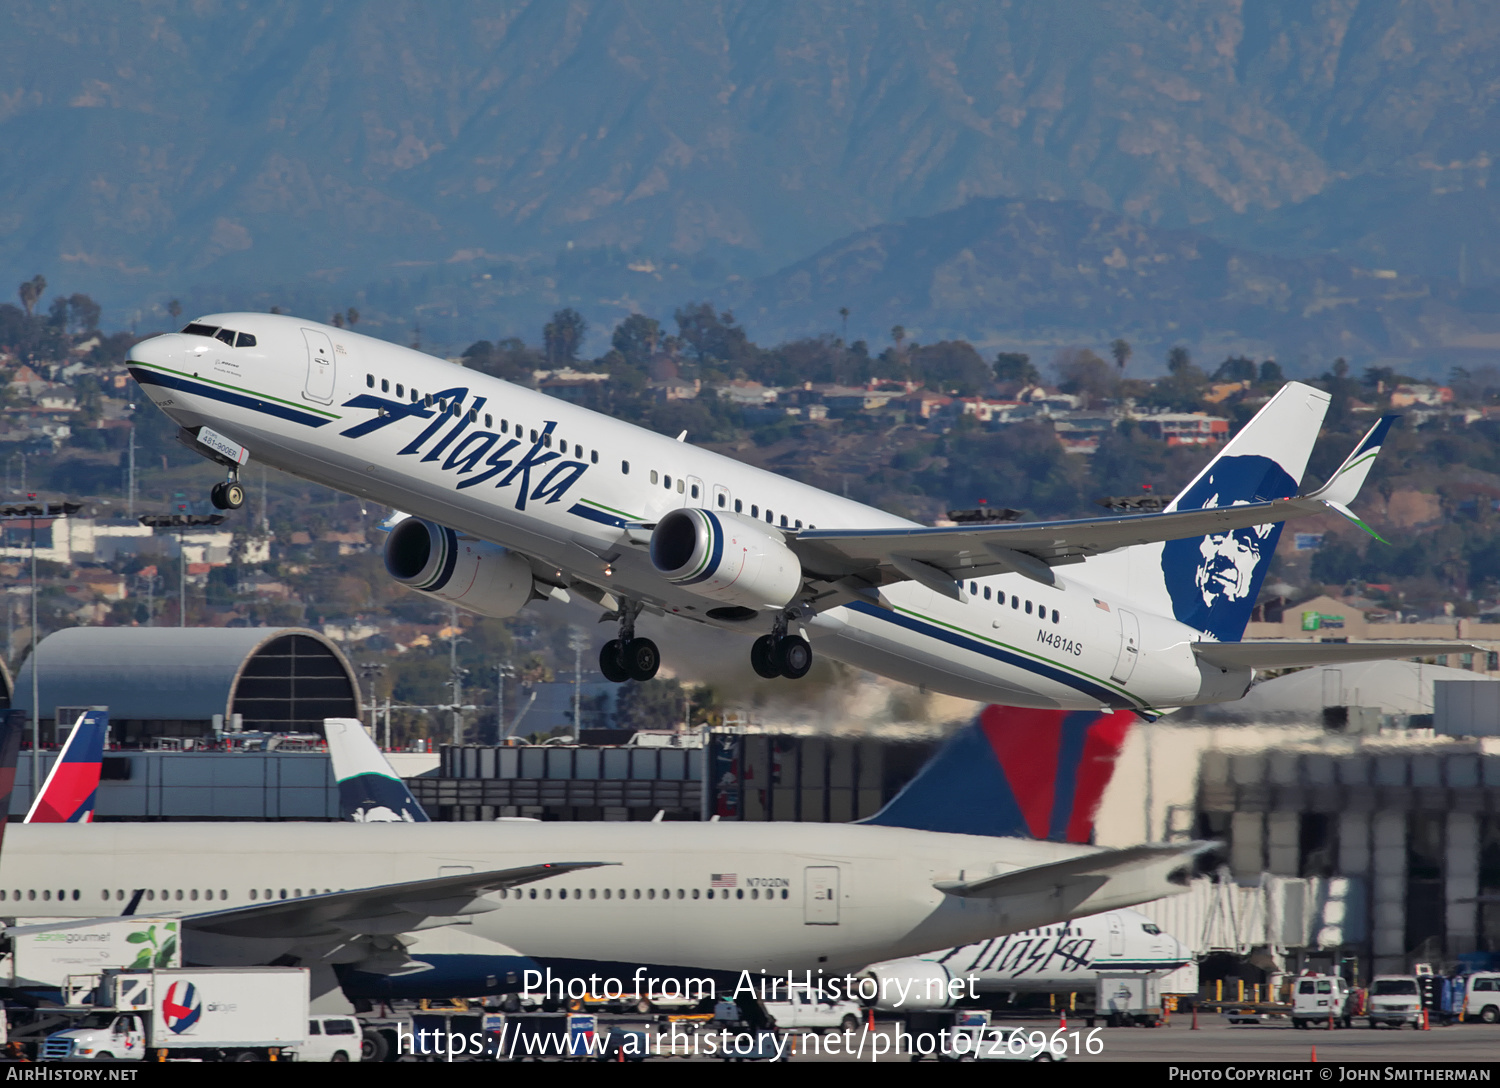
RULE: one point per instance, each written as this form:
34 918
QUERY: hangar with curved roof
183 681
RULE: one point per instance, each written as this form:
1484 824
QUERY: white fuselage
558 483
717 896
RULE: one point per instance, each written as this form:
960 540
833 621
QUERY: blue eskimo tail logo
1213 580
376 799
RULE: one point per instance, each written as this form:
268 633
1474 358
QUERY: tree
636 338
712 335
174 310
353 316
31 293
844 314
898 336
1014 367
1270 373
1084 374
1236 368
951 364
563 336
1121 350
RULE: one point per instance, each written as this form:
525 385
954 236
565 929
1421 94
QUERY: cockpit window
244 340
1151 928
226 335
200 330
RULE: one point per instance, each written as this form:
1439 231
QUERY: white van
331 1039
1317 999
1482 999
1395 1000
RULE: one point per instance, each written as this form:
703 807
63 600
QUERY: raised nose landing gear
628 657
781 654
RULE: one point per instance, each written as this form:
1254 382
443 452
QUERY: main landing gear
229 495
628 657
781 654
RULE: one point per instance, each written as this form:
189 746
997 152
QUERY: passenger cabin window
385 385
739 506
654 477
624 468
369 381
721 498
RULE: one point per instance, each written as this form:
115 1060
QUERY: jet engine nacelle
473 574
913 986
726 558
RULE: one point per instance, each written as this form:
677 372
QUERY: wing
1032 548
1287 654
857 562
380 910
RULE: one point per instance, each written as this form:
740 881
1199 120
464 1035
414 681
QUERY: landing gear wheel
229 495
612 662
794 656
763 657
642 659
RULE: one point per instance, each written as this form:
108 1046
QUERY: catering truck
44 957
245 1014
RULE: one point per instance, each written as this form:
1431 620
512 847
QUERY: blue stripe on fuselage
963 642
144 376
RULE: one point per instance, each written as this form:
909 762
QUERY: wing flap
1286 654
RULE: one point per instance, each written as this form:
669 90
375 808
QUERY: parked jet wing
1289 653
381 910
1089 872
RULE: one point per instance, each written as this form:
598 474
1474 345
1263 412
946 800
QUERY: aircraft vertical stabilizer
1016 772
369 790
72 787
1211 582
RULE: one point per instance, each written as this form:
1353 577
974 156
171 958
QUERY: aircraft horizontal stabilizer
1086 873
1290 654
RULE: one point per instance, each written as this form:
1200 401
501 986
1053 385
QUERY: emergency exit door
820 895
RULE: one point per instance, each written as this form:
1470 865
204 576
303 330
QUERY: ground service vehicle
212 1014
1482 998
1321 1000
1395 1000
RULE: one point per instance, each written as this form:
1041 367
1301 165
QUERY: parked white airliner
945 863
517 496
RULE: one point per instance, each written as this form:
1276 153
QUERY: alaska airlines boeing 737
516 497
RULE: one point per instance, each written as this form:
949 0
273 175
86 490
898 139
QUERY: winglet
370 792
1343 487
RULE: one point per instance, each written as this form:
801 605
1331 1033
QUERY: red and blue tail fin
1016 772
72 785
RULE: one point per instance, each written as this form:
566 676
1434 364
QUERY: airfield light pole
370 670
31 511
182 523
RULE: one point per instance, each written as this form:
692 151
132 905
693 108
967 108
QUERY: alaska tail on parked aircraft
72 787
370 791
510 505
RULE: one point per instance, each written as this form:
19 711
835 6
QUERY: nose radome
161 350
